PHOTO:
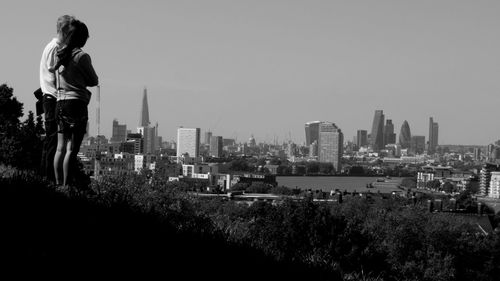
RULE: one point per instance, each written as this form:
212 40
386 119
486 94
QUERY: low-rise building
430 173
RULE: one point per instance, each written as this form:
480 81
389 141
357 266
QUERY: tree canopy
20 142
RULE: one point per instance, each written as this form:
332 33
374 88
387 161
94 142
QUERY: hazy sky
267 67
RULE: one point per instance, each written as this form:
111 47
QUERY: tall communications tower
97 158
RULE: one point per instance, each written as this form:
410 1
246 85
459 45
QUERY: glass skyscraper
389 135
361 138
377 134
312 135
216 146
433 136
405 135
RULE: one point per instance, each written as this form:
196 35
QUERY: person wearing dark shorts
49 92
75 74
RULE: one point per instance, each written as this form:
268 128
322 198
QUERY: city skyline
264 68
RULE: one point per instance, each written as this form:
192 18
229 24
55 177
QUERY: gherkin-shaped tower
405 135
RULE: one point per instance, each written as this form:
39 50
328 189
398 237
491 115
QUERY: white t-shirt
47 78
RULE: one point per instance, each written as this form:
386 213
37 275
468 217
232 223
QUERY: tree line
20 141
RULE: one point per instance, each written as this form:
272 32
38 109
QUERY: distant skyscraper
312 132
119 133
188 141
208 137
490 153
362 138
330 145
377 134
433 136
216 146
477 153
417 145
389 135
149 134
405 135
144 122
149 139
312 135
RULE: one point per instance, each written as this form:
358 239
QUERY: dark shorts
72 116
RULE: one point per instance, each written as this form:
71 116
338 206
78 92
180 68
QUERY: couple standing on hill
65 73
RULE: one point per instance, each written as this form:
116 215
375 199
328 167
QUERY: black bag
39 101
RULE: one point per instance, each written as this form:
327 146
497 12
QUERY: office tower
362 138
208 137
490 152
149 139
433 136
312 134
417 145
312 130
389 135
330 144
188 141
159 142
144 122
119 133
477 154
496 154
405 135
377 134
216 146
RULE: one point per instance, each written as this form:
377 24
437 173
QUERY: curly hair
75 38
65 25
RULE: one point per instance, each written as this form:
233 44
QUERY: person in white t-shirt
48 88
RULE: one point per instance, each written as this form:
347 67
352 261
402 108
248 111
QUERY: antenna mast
97 164
98 110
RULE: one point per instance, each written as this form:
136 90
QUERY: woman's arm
90 76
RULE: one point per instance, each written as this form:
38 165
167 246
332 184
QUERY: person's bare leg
72 149
67 160
58 158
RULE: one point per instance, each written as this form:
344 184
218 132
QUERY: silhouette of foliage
20 142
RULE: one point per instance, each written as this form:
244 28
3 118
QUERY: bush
282 190
259 187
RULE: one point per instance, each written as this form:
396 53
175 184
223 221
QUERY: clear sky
267 67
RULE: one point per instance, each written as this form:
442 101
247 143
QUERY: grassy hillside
53 234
